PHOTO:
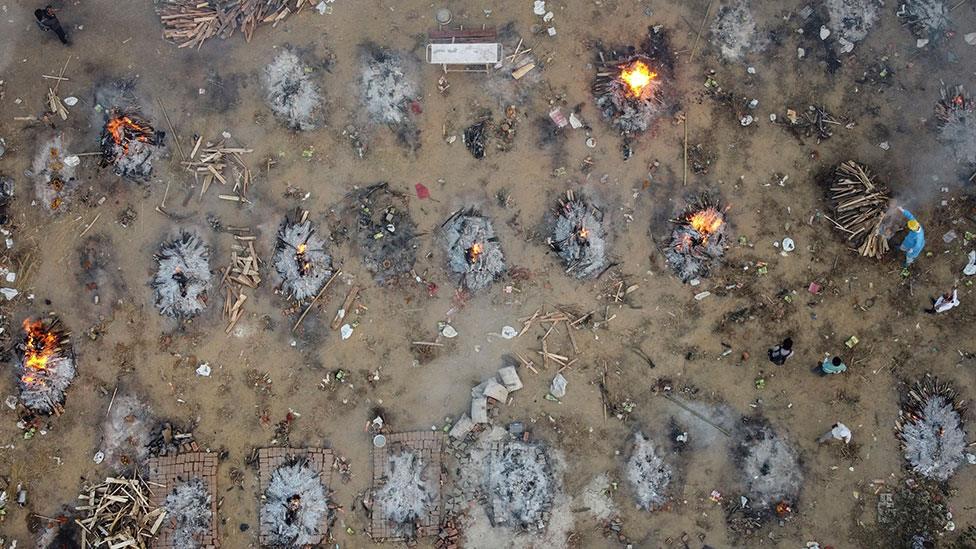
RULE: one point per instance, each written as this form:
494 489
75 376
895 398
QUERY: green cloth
829 368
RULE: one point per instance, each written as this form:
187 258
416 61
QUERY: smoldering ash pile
385 232
389 85
578 236
291 93
182 277
734 30
300 258
648 474
698 239
129 143
521 485
127 432
927 19
931 430
473 250
410 493
956 117
188 511
769 465
45 365
54 176
629 85
294 505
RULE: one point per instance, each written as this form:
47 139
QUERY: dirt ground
124 346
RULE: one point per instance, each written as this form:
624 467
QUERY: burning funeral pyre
931 430
410 494
45 365
54 174
128 144
294 506
578 236
629 87
698 239
183 276
648 474
769 465
385 231
473 250
300 259
860 205
521 485
956 117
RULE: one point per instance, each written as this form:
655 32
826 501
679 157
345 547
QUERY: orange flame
706 222
117 128
583 233
638 77
304 266
474 251
39 347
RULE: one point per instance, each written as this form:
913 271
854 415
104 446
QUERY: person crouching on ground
945 302
779 353
830 366
838 431
48 21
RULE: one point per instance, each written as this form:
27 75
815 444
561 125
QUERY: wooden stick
314 299
344 309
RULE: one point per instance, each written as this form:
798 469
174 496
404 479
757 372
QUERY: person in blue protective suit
914 240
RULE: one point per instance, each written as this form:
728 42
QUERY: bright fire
638 77
124 129
583 233
304 266
39 347
474 251
706 222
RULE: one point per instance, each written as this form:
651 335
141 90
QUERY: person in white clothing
839 431
946 301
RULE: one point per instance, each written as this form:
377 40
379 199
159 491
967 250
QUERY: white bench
465 54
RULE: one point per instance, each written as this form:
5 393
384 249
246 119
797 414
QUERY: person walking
779 353
838 431
914 241
47 19
830 366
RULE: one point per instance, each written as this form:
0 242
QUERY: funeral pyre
45 365
577 235
54 174
129 143
473 250
294 506
300 258
859 205
183 276
931 430
629 87
385 231
769 466
410 494
188 507
956 117
119 513
698 239
521 485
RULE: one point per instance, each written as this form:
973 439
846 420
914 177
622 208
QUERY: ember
46 366
474 252
956 118
128 143
300 258
577 235
697 240
473 249
638 76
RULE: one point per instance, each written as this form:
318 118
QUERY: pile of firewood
243 272
119 513
191 22
860 205
212 165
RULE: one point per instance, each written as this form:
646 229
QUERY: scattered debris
473 249
384 230
182 278
292 94
735 32
850 20
927 19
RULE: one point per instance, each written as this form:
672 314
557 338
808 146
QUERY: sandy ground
141 353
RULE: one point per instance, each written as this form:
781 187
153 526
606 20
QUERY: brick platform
319 460
170 472
430 445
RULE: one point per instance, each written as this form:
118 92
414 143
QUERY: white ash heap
648 474
578 236
291 93
300 259
129 143
54 175
850 20
956 117
521 485
409 493
931 430
388 82
188 512
295 506
735 32
45 365
127 432
386 232
697 240
182 277
927 19
629 88
769 465
473 250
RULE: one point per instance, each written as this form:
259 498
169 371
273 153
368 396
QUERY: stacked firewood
119 513
191 22
212 165
243 272
860 205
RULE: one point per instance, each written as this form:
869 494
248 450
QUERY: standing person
779 353
838 431
48 21
915 239
830 366
945 302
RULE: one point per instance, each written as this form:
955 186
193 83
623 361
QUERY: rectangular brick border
269 459
431 446
169 471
